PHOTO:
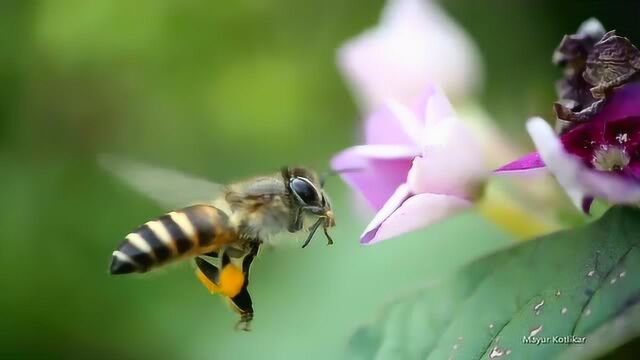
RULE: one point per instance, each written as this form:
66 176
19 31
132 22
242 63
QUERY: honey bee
223 229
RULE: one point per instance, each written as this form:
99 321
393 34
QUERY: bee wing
171 189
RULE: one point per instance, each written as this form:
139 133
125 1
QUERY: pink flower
414 44
599 158
419 166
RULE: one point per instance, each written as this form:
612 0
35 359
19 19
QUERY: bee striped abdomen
190 231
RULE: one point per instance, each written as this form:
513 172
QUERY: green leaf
579 283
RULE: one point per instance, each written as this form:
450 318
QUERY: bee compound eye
305 190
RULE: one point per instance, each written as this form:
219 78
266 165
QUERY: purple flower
599 158
419 166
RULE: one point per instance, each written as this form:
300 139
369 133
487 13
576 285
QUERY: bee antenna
313 230
329 173
286 173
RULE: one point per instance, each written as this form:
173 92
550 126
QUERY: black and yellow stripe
190 231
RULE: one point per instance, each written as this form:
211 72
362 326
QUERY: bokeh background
224 90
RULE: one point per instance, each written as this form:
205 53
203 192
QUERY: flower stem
512 216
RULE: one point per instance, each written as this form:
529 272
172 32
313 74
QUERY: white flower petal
452 162
393 203
437 107
407 119
405 212
563 165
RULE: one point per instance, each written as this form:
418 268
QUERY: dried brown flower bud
594 63
612 62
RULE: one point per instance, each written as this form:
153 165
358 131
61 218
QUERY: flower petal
377 152
435 106
525 164
379 170
632 171
414 44
401 119
405 212
452 162
393 124
586 204
623 103
611 187
564 166
578 180
399 196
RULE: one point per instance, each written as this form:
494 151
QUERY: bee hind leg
244 322
208 274
242 302
212 254
231 282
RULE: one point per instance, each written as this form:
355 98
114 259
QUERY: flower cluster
597 153
420 163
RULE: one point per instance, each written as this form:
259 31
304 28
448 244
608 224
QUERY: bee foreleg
316 210
312 231
329 239
295 223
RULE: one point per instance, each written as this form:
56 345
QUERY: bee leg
227 279
242 302
234 252
316 210
231 282
312 231
295 223
208 274
213 254
329 239
244 323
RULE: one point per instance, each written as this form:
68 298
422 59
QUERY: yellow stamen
610 158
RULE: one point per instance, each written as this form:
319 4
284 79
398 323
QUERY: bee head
306 193
307 198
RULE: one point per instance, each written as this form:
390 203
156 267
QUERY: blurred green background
223 90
